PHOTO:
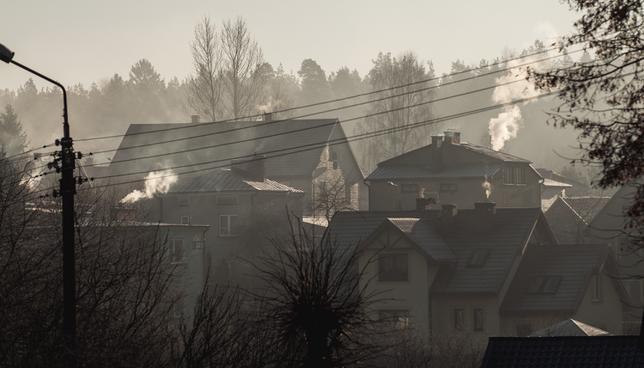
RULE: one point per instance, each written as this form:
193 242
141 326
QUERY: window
185 220
226 200
409 188
227 225
392 267
545 284
479 319
184 202
514 175
176 251
459 319
398 318
596 284
448 187
478 258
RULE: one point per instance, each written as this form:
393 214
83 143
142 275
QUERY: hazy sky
85 41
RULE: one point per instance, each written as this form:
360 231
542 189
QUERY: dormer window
545 284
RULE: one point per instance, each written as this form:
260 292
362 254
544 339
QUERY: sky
85 41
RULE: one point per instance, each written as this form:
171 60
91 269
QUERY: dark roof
421 163
225 180
503 235
564 351
567 225
415 172
576 188
312 133
420 232
587 207
568 267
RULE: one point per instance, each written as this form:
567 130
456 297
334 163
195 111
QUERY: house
565 352
302 153
467 272
243 208
455 172
610 225
569 217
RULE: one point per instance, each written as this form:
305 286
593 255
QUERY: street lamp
67 191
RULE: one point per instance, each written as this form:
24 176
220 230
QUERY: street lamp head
5 54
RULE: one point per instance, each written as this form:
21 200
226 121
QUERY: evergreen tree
13 139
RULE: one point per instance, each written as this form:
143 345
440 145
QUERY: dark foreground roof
564 352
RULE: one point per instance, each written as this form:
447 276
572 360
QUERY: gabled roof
564 352
503 234
570 327
421 233
225 180
570 267
575 188
415 172
312 133
587 207
421 163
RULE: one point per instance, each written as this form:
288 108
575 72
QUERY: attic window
478 258
514 175
545 285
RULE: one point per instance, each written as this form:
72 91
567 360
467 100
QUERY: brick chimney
448 210
267 116
437 141
485 208
194 119
452 137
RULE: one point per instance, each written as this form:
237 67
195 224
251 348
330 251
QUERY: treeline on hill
231 78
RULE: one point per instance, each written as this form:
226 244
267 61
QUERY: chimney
448 210
422 203
267 116
485 208
437 141
249 168
452 137
194 119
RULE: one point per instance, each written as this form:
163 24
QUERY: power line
302 148
255 116
306 115
309 127
308 147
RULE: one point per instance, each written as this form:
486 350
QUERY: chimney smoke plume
154 183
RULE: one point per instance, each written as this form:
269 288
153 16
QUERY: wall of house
411 295
383 196
443 310
190 270
526 323
604 312
259 216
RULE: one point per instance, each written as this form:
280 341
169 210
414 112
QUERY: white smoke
487 187
154 183
505 126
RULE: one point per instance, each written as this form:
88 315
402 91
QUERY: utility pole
67 190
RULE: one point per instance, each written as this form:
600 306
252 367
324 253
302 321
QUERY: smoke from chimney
505 126
154 183
487 187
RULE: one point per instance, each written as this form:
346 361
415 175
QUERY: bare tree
242 68
388 72
316 301
206 85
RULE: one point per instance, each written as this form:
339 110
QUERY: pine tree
12 137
